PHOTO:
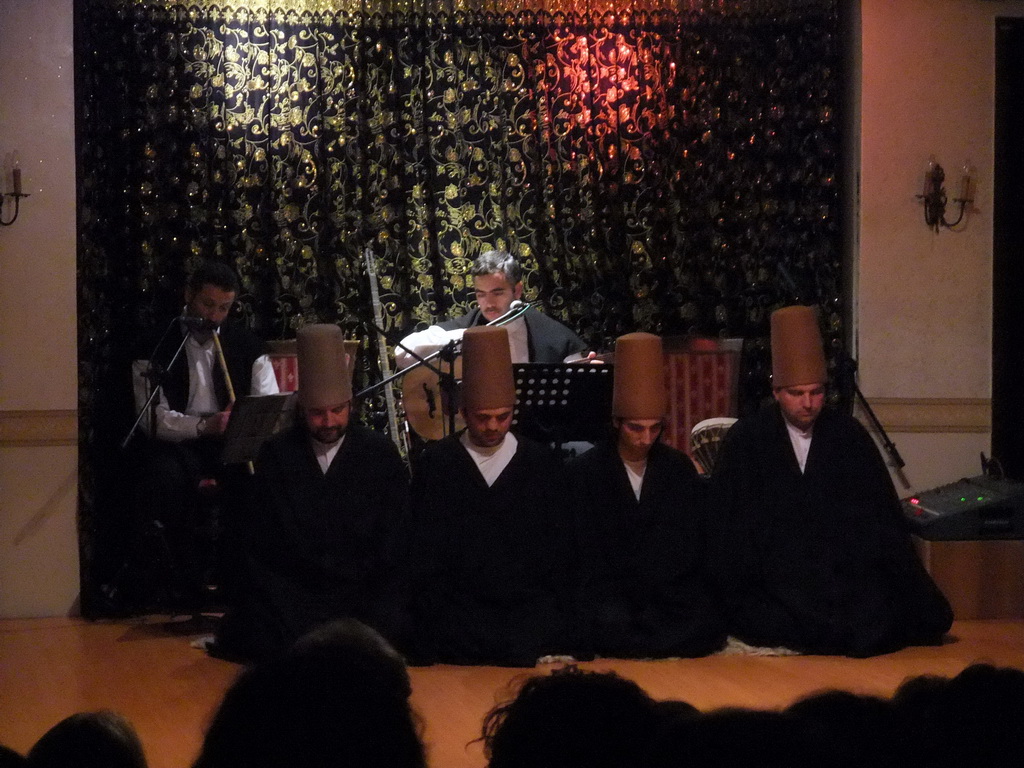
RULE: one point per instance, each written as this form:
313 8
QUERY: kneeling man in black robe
811 549
641 517
330 505
491 555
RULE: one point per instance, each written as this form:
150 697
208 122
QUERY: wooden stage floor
147 670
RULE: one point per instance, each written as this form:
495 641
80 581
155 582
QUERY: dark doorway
1008 251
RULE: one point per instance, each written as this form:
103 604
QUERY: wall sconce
15 192
934 197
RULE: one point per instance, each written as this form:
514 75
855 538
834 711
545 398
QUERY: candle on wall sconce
965 184
16 191
16 176
929 181
935 199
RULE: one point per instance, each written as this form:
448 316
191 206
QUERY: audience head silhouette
971 719
729 737
338 697
847 729
571 718
10 759
101 739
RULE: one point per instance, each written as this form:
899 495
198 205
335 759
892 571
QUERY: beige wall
38 354
923 310
923 301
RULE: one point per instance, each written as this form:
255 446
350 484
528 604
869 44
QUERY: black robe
820 562
644 590
548 340
323 546
490 564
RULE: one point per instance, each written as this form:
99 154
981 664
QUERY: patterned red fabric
702 377
286 369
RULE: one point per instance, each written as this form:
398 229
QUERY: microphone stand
153 376
420 361
513 313
447 353
446 379
849 388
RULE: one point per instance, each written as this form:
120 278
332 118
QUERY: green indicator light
963 498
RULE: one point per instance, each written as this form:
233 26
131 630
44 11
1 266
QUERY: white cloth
177 426
635 472
325 452
424 343
428 341
202 358
518 340
491 461
801 442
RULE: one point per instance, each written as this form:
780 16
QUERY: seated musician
331 499
498 281
808 544
186 422
641 516
491 543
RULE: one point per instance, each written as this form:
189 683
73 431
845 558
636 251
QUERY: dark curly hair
571 718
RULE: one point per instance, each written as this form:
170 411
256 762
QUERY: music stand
562 402
254 419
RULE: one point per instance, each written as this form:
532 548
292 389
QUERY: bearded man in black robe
641 517
327 518
491 552
811 551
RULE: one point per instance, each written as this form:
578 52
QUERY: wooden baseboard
38 428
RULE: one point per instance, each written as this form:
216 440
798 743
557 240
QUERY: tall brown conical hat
798 357
639 379
324 378
486 369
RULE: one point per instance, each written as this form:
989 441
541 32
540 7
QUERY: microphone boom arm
156 382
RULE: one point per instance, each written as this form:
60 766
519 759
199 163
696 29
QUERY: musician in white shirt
186 421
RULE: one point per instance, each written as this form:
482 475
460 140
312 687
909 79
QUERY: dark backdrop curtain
670 168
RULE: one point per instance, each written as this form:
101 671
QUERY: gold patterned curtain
265 9
670 167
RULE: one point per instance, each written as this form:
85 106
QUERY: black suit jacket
549 341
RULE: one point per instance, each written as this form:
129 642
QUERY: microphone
196 324
515 309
